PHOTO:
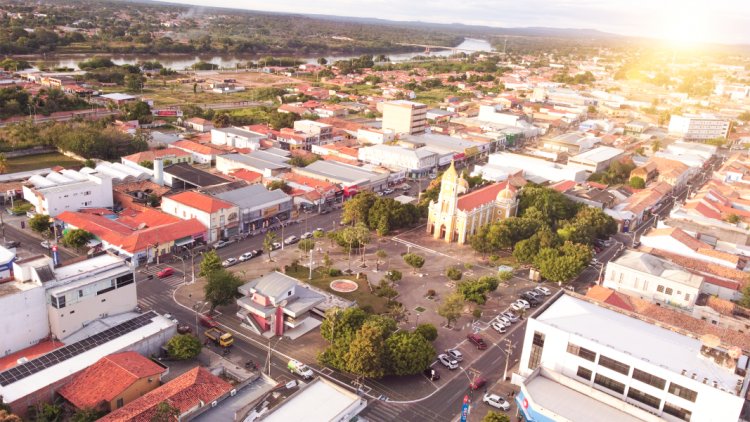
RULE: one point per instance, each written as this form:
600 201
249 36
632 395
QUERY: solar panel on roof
53 358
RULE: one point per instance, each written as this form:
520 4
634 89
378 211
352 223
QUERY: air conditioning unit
233 392
214 403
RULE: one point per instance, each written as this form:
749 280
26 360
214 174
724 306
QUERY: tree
322 61
40 223
6 416
476 290
77 238
211 263
381 254
306 245
493 416
327 262
453 273
428 331
357 209
366 352
183 346
268 242
147 164
408 353
49 412
280 184
745 299
525 250
85 415
733 218
221 288
3 164
89 163
414 261
744 116
138 110
656 146
637 182
564 263
451 308
504 276
165 412
221 120
393 275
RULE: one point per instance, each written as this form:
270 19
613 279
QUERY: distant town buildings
699 127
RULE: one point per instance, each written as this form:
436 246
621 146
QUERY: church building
456 215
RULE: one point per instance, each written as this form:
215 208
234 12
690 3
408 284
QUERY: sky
682 21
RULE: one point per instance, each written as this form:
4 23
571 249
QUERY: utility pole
507 352
311 260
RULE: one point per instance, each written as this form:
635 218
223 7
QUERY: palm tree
268 242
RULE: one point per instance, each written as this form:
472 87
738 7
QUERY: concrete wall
23 320
66 321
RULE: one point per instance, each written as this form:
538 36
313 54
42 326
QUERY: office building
698 127
405 117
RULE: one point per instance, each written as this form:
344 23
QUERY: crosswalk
156 290
382 411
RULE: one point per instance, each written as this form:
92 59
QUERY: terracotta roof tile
479 197
39 349
109 377
197 148
247 175
201 202
192 389
156 153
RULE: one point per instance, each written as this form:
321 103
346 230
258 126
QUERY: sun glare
687 27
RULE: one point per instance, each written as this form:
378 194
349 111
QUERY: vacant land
34 162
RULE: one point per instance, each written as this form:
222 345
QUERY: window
649 379
58 301
687 297
124 280
80 293
677 411
614 365
609 383
120 402
683 392
644 398
537 345
584 373
581 352
668 291
660 288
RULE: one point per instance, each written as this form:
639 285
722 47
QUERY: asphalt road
30 243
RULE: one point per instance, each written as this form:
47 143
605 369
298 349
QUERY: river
181 62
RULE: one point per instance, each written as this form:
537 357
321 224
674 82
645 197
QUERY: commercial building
236 138
323 132
201 153
340 404
586 360
221 218
405 117
258 207
352 178
28 383
502 164
276 303
698 127
457 214
68 190
573 143
183 176
168 156
597 159
266 163
416 162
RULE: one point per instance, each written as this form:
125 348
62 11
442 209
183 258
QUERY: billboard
167 113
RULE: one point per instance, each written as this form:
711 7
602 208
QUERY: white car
496 401
499 327
306 235
291 239
510 316
229 262
520 304
503 320
246 256
447 362
455 355
543 290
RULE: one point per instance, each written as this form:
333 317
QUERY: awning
184 241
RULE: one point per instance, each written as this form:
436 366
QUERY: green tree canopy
77 238
268 242
367 351
306 245
451 308
413 260
563 263
221 288
493 416
183 346
210 263
40 223
637 182
408 353
428 331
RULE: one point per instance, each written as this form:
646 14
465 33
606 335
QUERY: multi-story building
68 190
698 127
257 206
586 360
418 162
236 137
322 131
403 116
221 218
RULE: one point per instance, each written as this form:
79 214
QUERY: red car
477 340
208 322
477 383
165 272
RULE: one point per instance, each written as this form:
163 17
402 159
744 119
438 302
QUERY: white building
597 159
340 404
23 316
653 279
375 136
698 127
417 161
502 164
322 131
236 137
581 356
69 190
221 218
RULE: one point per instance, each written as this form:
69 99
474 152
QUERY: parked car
246 256
499 327
388 191
496 401
520 304
535 294
503 320
319 230
207 321
305 235
510 316
46 244
447 362
166 272
543 290
477 383
455 354
12 244
184 329
405 187
432 374
291 239
220 244
299 368
477 340
275 245
528 296
324 211
229 262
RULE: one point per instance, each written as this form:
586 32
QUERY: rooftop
481 196
253 196
305 405
598 155
626 333
194 176
649 264
201 202
339 171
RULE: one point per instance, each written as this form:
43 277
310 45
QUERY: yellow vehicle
219 337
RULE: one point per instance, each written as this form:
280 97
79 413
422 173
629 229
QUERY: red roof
481 196
156 153
247 175
200 201
192 389
125 234
564 185
108 378
197 148
39 349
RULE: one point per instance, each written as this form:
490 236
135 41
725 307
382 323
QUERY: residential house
201 153
236 138
221 218
199 124
677 241
168 156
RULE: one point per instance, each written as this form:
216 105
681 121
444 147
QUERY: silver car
448 362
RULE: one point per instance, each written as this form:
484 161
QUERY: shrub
428 331
431 293
334 272
454 273
476 313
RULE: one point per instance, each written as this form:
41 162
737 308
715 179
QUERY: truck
219 337
299 368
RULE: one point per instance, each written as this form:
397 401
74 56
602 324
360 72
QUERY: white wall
185 212
632 282
23 319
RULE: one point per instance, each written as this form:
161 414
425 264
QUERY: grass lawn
34 162
362 295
